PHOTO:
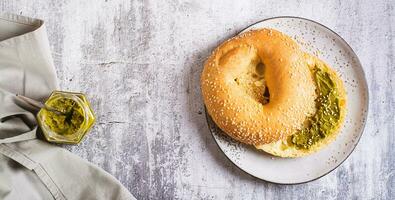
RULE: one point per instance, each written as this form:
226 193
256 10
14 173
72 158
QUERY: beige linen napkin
31 168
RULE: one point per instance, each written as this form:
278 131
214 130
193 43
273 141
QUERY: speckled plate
330 47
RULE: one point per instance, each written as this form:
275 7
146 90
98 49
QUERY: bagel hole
260 70
266 96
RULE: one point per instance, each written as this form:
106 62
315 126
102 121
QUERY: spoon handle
38 104
30 101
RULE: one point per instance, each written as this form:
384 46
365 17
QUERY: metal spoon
39 104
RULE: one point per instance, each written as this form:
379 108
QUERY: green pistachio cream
66 124
327 115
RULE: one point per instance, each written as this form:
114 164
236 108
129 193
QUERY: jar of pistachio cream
71 121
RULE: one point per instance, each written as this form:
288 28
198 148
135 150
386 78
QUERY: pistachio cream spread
324 121
64 124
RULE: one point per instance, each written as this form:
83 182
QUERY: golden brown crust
226 87
283 149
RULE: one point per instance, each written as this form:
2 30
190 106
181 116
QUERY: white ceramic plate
330 47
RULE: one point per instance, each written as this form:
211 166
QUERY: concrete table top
140 63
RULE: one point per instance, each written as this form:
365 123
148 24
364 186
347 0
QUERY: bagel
232 86
261 89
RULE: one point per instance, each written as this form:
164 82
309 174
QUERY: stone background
140 62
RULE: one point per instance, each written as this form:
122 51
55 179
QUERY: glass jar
74 121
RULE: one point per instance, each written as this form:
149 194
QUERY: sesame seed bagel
232 85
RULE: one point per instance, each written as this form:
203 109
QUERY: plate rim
363 125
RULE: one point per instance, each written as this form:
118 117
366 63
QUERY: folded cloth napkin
31 168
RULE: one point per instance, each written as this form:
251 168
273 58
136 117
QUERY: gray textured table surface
140 63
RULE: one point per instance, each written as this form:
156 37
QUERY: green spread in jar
64 124
324 121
